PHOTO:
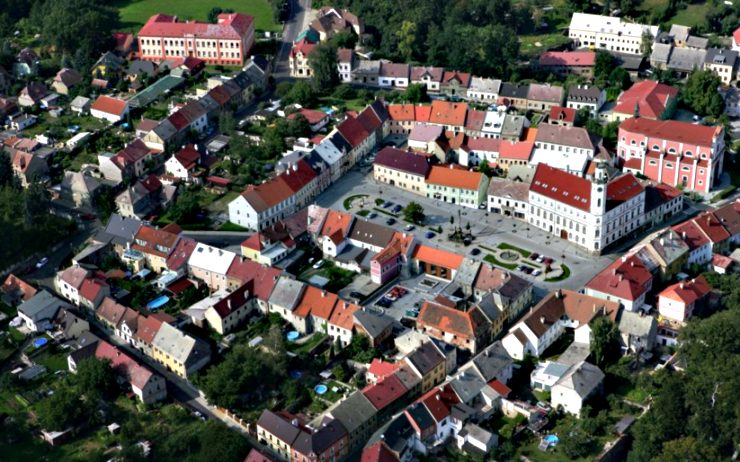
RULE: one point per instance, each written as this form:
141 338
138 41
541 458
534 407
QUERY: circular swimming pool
320 389
293 336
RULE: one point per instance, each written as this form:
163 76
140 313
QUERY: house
229 312
79 188
662 201
563 116
394 75
510 292
514 95
637 330
27 167
155 245
179 352
431 77
648 98
609 33
7 107
366 73
358 416
298 59
32 94
330 21
475 441
26 63
455 186
427 362
667 250
183 163
679 301
108 108
144 197
436 262
128 163
262 205
565 148
70 325
124 43
722 62
38 312
547 320
210 265
22 121
138 70
107 66
673 152
15 290
721 264
579 63
402 169
627 281
543 97
227 42
468 330
591 213
455 83
682 61
92 292
65 79
509 198
376 327
80 105
582 96
484 90
316 119
572 390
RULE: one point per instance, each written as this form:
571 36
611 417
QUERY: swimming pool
293 336
158 302
320 389
552 440
39 342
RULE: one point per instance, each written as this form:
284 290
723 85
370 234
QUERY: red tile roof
687 291
404 161
303 47
568 58
312 116
13 284
565 114
462 77
651 97
385 392
74 276
343 315
437 257
516 151
627 278
463 324
256 456
454 178
229 26
622 189
188 157
439 401
499 387
180 256
381 369
232 302
673 130
316 302
124 364
298 175
353 131
91 288
721 261
378 452
147 329
562 186
268 194
692 234
577 307
109 105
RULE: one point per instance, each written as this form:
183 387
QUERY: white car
41 263
318 264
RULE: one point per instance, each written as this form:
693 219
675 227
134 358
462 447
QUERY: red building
672 152
226 42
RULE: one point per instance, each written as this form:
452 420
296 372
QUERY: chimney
228 302
542 319
662 242
295 167
621 277
624 258
681 285
594 309
294 422
614 271
323 293
683 235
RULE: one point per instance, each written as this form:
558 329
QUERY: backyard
134 13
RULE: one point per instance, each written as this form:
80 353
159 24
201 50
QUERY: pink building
226 42
672 152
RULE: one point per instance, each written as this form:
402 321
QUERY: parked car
475 251
397 208
429 234
372 215
387 204
318 264
534 256
357 295
409 227
390 221
536 272
41 263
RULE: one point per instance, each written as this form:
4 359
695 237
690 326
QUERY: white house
69 282
609 33
626 281
565 148
582 381
210 265
111 109
183 163
260 206
38 312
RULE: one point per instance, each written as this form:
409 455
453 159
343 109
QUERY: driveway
301 16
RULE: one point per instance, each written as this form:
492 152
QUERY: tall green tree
416 93
96 379
407 39
605 346
700 93
414 213
323 63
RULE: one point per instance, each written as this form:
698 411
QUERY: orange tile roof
344 315
268 194
448 113
529 134
423 113
454 178
438 257
316 302
687 291
467 324
336 221
109 105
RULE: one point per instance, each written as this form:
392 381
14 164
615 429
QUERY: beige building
401 169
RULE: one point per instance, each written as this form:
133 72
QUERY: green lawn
534 45
693 15
506 246
562 277
490 258
134 13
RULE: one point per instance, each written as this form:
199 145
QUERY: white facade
561 156
243 214
608 33
112 118
175 168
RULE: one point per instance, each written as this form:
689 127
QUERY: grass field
134 13
693 15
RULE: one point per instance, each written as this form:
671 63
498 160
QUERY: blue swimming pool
158 302
552 440
320 389
292 336
39 342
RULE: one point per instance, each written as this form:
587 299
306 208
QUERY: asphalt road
299 15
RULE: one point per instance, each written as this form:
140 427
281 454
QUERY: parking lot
489 230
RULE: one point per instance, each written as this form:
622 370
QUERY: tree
186 207
105 202
416 93
6 170
603 66
687 449
339 372
414 213
96 379
323 63
700 93
485 168
407 37
344 39
646 45
605 348
576 443
226 123
299 126
301 93
60 410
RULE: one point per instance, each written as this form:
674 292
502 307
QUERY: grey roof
629 61
65 319
40 306
490 362
720 56
367 68
278 426
165 130
119 230
523 173
669 246
583 378
516 190
513 125
319 441
511 90
584 93
567 136
83 353
287 293
477 433
420 415
489 307
467 386
467 271
686 59
79 102
182 347
697 42
374 324
636 324
679 32
396 434
484 85
556 369
371 233
425 358
661 53
139 67
354 411
407 376
575 353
